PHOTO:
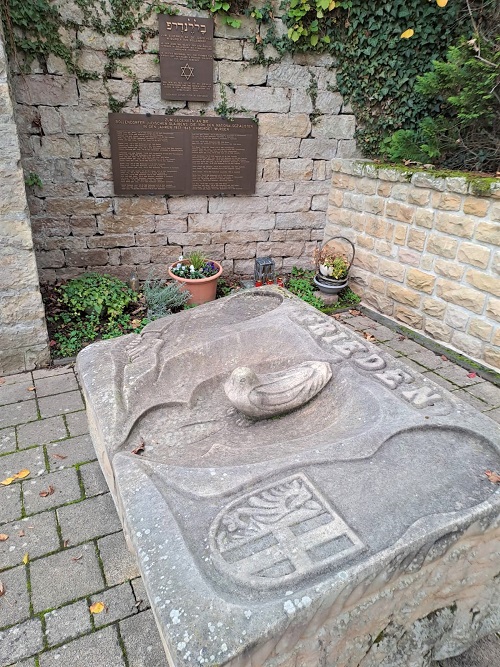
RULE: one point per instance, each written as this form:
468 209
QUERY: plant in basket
197 275
333 263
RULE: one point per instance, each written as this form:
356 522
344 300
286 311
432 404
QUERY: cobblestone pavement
65 549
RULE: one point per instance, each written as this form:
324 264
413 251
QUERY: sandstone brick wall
427 252
23 334
80 225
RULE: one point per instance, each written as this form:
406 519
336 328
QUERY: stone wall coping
466 184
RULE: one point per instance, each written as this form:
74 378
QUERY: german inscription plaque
182 155
186 57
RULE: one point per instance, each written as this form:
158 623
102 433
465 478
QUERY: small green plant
33 180
194 267
163 298
331 263
301 285
97 294
223 109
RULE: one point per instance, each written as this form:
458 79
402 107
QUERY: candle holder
264 273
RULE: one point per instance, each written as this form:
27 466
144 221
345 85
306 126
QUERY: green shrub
97 294
163 298
462 133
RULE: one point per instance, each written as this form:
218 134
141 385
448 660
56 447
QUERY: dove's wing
288 387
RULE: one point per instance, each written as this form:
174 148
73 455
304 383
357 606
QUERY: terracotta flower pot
202 290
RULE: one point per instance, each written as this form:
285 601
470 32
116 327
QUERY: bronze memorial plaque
186 57
182 155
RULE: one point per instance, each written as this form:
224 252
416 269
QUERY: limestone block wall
23 334
427 252
80 225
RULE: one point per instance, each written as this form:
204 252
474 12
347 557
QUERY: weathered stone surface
22 322
254 543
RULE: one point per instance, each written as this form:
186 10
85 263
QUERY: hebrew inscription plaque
186 57
182 155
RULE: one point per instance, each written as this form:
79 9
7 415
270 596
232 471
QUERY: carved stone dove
264 396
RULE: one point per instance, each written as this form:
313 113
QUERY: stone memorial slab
182 155
186 57
295 497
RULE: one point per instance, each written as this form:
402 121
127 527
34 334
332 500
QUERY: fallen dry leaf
369 337
26 558
65 543
2 589
444 358
355 312
59 456
471 375
18 475
20 533
493 477
76 558
3 537
31 388
139 449
47 492
338 316
97 607
401 337
2 380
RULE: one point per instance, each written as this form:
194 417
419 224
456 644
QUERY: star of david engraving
278 534
187 71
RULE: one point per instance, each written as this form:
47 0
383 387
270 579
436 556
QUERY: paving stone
487 392
458 375
390 350
141 597
66 489
119 564
93 479
485 653
14 603
119 602
7 440
13 393
40 537
41 432
77 423
55 405
20 641
67 622
413 365
382 333
405 346
97 649
10 503
142 641
360 323
471 400
428 359
442 382
76 450
56 384
494 414
58 578
18 413
17 377
91 518
32 459
52 372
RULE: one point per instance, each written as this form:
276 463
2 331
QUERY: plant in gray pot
333 262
